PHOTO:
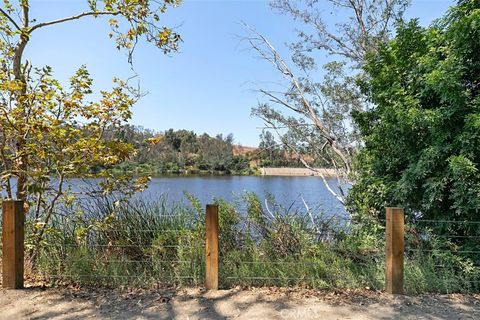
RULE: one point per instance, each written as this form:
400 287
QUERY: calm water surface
285 190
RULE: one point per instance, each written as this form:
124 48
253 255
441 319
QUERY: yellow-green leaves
62 133
51 131
154 140
133 20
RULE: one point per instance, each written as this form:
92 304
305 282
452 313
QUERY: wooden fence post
211 247
13 220
394 250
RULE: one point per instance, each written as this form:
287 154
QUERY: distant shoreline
297 172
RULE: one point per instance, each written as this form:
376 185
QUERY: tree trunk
19 75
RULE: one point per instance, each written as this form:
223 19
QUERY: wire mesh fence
449 255
312 255
316 273
168 254
171 252
169 249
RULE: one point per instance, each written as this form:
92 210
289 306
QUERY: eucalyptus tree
49 131
317 109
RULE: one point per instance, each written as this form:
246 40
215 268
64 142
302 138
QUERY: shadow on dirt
74 303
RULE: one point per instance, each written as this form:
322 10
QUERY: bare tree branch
76 17
3 12
261 44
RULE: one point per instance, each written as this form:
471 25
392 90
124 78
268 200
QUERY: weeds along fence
153 258
449 252
132 245
115 244
291 252
142 244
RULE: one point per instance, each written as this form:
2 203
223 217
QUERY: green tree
239 164
49 132
422 134
215 152
269 149
184 145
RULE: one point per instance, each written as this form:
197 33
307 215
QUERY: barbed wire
140 230
305 263
130 246
445 266
112 276
456 236
442 250
123 261
271 278
445 221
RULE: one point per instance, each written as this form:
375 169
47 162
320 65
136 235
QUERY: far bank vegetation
186 152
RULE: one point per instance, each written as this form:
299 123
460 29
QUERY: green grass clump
156 243
133 243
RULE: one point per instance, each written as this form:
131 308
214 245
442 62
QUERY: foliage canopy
422 136
49 131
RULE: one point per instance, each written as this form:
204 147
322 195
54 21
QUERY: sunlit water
287 191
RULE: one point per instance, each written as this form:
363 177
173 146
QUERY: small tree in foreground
49 132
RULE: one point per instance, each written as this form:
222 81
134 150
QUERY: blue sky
207 87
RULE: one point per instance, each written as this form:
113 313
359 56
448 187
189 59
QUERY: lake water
287 191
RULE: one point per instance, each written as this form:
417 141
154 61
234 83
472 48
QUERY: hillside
239 150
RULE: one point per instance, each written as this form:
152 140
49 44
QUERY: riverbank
297 172
252 171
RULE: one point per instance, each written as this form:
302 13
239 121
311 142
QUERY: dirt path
71 303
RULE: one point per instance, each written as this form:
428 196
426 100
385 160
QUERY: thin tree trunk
22 162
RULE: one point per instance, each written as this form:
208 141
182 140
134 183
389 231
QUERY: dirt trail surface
80 303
